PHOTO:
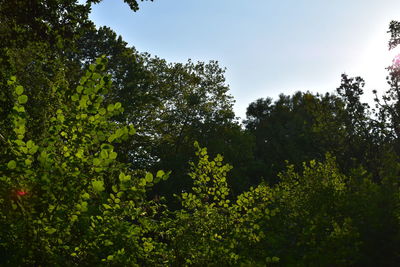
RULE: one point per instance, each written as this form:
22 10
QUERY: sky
268 47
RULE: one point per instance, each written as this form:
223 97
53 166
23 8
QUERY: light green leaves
50 230
132 130
20 109
96 161
30 144
104 154
74 97
12 164
119 134
149 177
83 206
113 155
96 76
83 103
111 138
12 80
80 154
20 129
98 186
22 99
110 107
19 90
117 105
32 148
160 174
107 207
124 178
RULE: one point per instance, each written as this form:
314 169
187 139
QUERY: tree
312 226
171 105
295 128
304 126
65 199
39 38
212 228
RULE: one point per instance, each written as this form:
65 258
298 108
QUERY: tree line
110 156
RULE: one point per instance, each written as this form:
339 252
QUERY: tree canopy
111 156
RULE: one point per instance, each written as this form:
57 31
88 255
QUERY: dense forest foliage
110 156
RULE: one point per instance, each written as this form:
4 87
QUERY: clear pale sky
268 46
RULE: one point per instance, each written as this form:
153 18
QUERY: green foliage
303 127
64 197
171 105
211 229
312 224
79 185
68 192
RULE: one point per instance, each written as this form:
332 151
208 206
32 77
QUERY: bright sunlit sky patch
268 46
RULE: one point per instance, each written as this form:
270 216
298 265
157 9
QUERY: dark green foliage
66 199
296 128
304 126
83 146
